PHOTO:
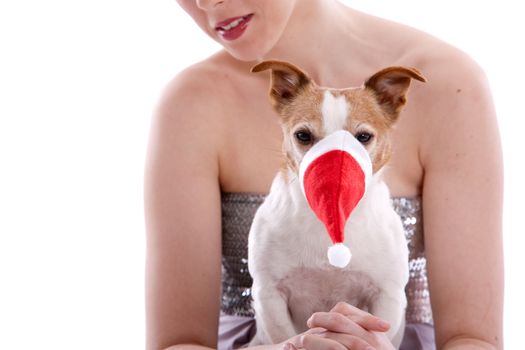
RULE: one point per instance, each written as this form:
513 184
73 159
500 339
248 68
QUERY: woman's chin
247 50
246 55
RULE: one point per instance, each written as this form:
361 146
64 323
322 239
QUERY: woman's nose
208 4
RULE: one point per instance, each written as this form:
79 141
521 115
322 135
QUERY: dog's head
309 113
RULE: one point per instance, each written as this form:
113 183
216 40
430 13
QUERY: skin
214 130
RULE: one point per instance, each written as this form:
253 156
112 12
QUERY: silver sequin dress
237 317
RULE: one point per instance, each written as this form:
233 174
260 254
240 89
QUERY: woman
215 148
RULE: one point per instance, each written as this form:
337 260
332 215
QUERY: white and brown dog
287 243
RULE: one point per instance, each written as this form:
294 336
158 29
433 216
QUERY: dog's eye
304 137
364 137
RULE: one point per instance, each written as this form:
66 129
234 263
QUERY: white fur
334 111
286 237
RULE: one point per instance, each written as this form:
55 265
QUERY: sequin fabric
238 210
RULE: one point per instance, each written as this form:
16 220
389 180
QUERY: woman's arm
462 206
183 219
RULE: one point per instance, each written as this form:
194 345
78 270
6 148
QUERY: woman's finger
370 322
315 342
315 330
362 318
349 341
295 342
336 322
289 346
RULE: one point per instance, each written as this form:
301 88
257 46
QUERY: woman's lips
233 28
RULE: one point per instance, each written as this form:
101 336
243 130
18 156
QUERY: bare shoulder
194 104
211 75
456 100
457 88
409 45
198 88
447 68
453 76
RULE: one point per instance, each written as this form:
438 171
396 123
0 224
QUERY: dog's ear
390 86
286 83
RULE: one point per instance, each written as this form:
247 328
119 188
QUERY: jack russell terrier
287 243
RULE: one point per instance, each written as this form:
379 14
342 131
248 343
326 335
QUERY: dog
287 243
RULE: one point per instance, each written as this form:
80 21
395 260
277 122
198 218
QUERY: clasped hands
344 327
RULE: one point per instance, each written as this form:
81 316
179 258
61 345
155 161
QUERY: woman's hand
344 327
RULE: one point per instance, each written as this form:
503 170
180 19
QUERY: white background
78 84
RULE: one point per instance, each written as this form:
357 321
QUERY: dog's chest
310 290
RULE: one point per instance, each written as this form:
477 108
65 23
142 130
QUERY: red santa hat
334 174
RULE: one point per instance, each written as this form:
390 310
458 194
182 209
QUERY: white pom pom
339 255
